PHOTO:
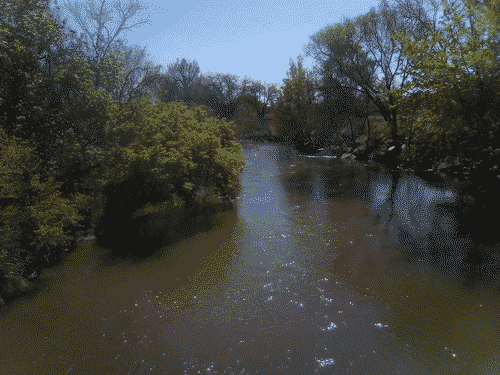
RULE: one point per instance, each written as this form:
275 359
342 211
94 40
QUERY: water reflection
319 269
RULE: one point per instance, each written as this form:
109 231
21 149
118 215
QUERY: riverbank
373 159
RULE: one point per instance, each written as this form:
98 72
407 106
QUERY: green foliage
69 151
162 151
133 68
459 115
296 114
341 109
32 211
48 107
40 214
175 143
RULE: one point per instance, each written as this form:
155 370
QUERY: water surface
320 268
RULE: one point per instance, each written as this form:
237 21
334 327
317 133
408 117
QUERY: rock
348 157
361 139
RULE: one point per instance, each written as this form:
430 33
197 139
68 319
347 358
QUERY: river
317 270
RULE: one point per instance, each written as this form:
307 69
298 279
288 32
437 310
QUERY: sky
255 39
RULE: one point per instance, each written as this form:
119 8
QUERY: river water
321 267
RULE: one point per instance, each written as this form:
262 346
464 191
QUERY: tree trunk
368 123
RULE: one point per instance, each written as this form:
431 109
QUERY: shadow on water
318 267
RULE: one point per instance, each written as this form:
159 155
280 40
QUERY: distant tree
259 97
185 74
220 92
231 89
297 70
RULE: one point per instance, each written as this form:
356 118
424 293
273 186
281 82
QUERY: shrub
37 225
167 150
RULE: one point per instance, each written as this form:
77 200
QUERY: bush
37 225
167 151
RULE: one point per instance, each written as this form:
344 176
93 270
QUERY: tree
345 50
139 78
220 92
231 89
36 100
296 115
250 96
296 70
185 74
459 85
182 81
64 141
38 219
54 118
98 47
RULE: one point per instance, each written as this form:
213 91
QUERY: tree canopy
458 84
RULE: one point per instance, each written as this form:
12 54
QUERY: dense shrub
166 150
37 224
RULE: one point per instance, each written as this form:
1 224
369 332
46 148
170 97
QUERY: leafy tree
36 219
258 98
355 49
298 71
296 111
98 47
53 117
138 79
219 92
185 74
231 90
62 152
458 88
182 82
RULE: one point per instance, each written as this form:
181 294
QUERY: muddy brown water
316 270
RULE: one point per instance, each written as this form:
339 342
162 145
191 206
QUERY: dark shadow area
446 226
140 237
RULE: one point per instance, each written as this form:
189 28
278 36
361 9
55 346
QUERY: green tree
297 108
36 219
355 50
260 98
52 117
458 87
138 78
296 70
182 82
60 154
97 47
